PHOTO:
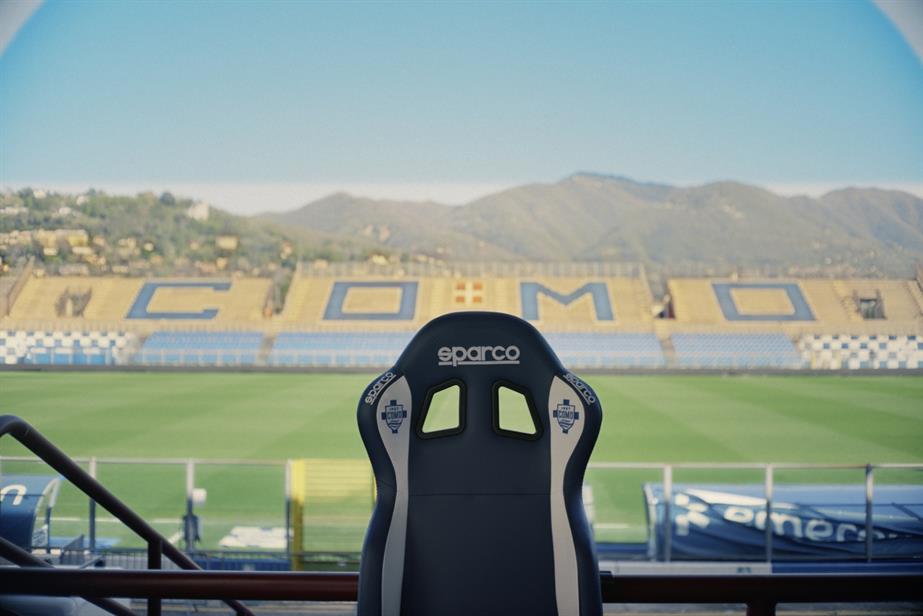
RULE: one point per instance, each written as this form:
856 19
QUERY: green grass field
665 418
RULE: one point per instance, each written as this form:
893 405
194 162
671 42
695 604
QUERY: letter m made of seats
598 291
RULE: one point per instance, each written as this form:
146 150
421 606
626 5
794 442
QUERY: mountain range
595 217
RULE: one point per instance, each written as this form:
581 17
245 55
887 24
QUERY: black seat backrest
478 520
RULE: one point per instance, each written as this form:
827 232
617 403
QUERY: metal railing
505 269
157 545
22 558
767 471
760 593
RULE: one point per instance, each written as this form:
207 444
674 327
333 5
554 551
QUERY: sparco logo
380 384
478 355
581 387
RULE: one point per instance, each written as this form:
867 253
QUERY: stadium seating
109 297
861 352
136 299
724 301
735 351
201 348
903 300
371 349
595 316
76 348
381 349
824 301
552 303
605 350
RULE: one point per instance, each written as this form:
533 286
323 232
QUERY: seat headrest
464 344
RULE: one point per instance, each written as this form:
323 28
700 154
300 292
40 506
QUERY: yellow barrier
327 493
296 482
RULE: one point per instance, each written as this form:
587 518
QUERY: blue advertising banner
812 522
22 499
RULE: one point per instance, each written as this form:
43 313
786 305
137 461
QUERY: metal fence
505 269
317 510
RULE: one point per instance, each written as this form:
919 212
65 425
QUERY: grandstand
201 348
608 350
379 303
70 348
807 302
371 349
861 352
108 298
359 315
75 301
733 350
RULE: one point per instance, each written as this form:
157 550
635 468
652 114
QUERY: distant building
198 211
50 238
227 242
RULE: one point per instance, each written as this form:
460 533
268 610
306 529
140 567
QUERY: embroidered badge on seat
566 414
394 415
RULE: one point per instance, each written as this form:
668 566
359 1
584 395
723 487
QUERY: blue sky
440 95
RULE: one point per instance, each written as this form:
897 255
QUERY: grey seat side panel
373 549
587 563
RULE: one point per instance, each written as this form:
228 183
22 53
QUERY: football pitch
658 418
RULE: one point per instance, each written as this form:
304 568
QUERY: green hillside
717 227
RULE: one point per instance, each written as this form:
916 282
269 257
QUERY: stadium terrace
595 315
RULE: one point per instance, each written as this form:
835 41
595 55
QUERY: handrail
18 556
158 546
761 593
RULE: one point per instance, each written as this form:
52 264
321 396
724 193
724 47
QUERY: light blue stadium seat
607 350
62 348
342 349
735 351
201 348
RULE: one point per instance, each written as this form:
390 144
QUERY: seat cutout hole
513 412
444 411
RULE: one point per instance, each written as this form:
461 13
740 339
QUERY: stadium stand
901 300
201 348
383 303
824 301
605 350
712 302
378 349
735 351
79 348
109 298
597 315
370 349
837 352
113 299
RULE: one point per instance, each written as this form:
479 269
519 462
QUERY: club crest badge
394 415
566 414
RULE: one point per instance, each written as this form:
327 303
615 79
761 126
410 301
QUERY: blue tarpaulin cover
22 499
728 521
